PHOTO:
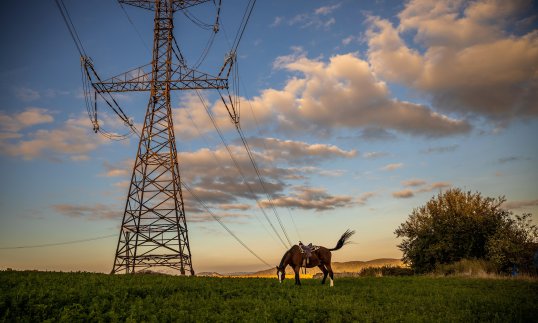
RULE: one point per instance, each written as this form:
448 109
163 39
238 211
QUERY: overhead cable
218 164
266 148
134 26
58 243
239 168
244 22
258 174
70 26
235 107
219 220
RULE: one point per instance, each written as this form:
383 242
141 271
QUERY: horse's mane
283 258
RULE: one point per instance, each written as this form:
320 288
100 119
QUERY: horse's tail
343 240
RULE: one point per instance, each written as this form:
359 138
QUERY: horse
321 258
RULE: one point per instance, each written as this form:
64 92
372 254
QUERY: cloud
215 179
391 167
73 138
521 204
414 182
236 206
79 157
329 22
122 169
9 135
29 117
311 199
403 194
122 184
325 10
511 159
442 149
374 154
213 176
316 19
346 41
277 22
206 217
421 187
89 212
434 186
344 93
107 212
224 184
298 151
27 94
472 64
371 134
321 98
331 172
363 198
460 24
192 121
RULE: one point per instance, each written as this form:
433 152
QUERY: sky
357 112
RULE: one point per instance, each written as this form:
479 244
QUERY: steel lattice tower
154 229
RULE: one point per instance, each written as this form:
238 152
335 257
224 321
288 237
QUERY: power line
88 66
59 243
177 52
258 174
265 146
84 57
134 26
70 26
236 85
217 162
236 103
239 168
244 22
91 108
219 220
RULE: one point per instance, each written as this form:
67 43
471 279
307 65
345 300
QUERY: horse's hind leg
325 272
331 274
296 269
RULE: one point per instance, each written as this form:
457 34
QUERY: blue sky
357 112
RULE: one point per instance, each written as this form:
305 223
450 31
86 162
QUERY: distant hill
338 267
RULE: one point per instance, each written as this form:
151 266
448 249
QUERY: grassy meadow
75 297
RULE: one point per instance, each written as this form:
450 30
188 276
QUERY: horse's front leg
296 269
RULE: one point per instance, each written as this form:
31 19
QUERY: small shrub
385 271
467 267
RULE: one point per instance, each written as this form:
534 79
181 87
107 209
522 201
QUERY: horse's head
280 273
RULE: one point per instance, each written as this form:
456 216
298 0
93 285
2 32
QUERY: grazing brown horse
320 257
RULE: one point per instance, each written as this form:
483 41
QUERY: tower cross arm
181 78
150 4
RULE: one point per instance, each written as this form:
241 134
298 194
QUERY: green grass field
74 297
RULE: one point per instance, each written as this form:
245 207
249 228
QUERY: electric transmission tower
154 230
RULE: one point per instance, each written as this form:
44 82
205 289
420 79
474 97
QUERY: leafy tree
459 225
514 243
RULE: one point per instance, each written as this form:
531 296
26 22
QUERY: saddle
306 251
